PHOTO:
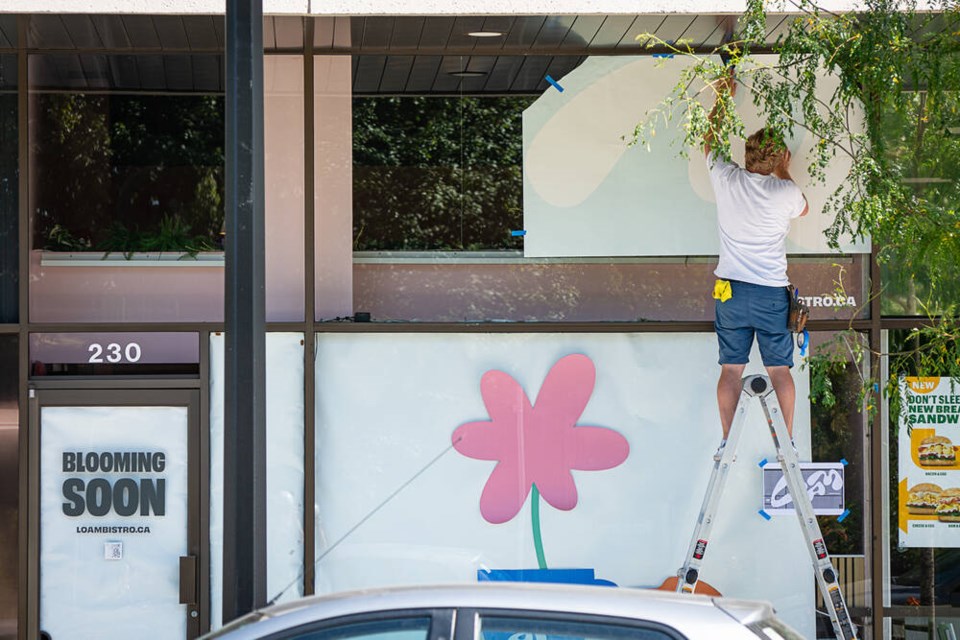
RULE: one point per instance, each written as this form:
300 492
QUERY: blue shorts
754 309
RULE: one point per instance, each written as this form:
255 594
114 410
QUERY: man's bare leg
728 393
786 393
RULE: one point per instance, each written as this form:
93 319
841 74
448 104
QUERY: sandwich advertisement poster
929 488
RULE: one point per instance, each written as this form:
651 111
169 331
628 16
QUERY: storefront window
535 208
9 487
127 188
9 189
924 409
924 143
127 173
437 174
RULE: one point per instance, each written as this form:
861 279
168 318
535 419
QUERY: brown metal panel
395 74
562 65
447 83
178 73
32 503
673 27
366 78
322 31
407 31
422 73
111 31
96 71
207 73
27 600
195 540
461 27
219 26
781 29
554 30
377 32
124 72
436 32
8 31
707 32
269 32
47 31
188 580
82 32
582 32
310 312
171 31
524 31
151 71
503 73
531 76
641 25
201 33
141 31
343 32
700 29
498 24
64 71
612 31
289 30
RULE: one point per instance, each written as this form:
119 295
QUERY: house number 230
114 353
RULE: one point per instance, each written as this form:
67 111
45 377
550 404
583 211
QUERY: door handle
188 580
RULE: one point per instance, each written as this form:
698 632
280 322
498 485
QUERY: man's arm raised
725 84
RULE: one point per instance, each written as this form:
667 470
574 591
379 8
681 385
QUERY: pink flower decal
538 444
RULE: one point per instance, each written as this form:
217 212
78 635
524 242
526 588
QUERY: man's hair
765 151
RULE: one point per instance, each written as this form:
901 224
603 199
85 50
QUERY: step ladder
758 386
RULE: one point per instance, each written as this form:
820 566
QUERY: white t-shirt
753 217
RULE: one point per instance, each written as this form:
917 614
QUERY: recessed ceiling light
484 34
468 74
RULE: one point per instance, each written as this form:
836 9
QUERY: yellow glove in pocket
722 290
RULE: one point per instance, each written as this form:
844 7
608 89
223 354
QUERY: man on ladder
754 209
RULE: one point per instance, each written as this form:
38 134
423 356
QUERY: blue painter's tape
663 55
844 462
806 343
843 515
518 232
876 387
762 463
766 516
554 83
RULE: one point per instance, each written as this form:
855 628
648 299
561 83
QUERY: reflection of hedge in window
437 173
9 239
127 173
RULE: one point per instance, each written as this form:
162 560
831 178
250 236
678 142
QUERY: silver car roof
686 613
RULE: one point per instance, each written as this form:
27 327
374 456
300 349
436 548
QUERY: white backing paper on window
83 594
284 393
387 405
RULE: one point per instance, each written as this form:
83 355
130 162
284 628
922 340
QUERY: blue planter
558 576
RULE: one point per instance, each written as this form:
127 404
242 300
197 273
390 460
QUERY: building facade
457 230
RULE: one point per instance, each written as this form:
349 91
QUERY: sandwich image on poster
934 451
929 472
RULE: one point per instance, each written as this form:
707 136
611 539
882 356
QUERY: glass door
118 497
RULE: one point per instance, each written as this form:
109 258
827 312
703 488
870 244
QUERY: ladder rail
689 574
759 386
824 572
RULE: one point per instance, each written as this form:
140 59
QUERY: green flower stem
535 520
